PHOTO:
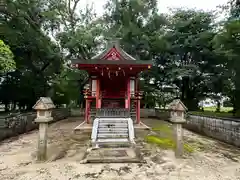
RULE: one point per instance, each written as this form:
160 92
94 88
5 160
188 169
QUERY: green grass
213 114
167 143
222 109
164 128
164 138
211 111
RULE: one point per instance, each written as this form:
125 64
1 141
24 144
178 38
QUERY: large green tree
37 57
227 46
6 58
193 57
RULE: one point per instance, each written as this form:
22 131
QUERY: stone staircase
112 132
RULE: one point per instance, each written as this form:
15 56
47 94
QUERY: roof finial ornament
113 51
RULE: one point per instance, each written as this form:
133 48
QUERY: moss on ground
164 128
164 137
167 143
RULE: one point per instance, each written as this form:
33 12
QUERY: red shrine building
113 87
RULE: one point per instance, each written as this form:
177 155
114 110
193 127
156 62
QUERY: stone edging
21 123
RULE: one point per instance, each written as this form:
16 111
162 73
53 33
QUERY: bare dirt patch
211 160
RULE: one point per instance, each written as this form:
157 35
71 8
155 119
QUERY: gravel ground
212 161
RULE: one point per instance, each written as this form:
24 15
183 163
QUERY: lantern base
177 120
43 119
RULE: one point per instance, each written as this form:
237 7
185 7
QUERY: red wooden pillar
99 95
127 99
137 101
98 98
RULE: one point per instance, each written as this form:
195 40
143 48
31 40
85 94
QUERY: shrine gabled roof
108 62
113 54
113 51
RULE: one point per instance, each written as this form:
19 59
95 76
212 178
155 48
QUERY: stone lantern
44 108
177 111
177 117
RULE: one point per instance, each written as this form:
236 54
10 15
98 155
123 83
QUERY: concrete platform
83 127
141 126
113 155
88 127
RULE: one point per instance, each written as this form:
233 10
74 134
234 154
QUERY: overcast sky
163 5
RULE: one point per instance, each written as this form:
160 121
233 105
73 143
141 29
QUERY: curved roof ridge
113 43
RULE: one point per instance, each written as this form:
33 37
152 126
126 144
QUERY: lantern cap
44 103
177 105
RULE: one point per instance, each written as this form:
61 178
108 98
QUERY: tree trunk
237 93
191 104
218 106
6 104
14 105
188 96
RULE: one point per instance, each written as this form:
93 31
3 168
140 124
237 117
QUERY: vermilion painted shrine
112 110
113 80
112 95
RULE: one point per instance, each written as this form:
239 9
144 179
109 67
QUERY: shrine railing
105 94
120 94
113 112
88 93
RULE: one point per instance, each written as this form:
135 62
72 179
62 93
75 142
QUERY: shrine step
114 122
107 125
112 130
113 135
112 140
118 122
120 142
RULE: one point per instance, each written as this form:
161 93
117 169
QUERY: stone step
113 125
112 135
114 155
114 122
119 126
113 119
103 130
112 132
113 143
109 132
113 140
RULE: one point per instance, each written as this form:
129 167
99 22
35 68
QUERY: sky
163 5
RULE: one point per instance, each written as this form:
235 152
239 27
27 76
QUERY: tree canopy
6 58
194 56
